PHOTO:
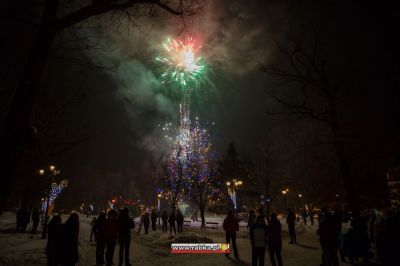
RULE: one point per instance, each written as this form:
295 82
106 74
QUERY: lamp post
51 172
284 194
232 188
301 201
158 206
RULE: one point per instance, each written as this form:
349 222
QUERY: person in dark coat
291 222
179 221
23 218
146 222
251 219
98 231
304 215
153 220
55 241
110 235
164 218
35 221
311 214
258 239
125 224
70 253
275 240
171 221
328 238
230 226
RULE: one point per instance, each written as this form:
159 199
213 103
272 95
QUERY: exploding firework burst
182 63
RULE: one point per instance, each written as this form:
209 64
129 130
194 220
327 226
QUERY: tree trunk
202 208
350 193
18 131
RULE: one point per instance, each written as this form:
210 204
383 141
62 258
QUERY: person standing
92 223
328 238
231 226
304 216
35 221
291 222
70 245
164 218
311 214
153 220
171 221
125 224
141 219
251 219
98 231
110 235
275 240
54 241
146 223
179 221
258 239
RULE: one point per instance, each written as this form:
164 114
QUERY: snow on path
22 249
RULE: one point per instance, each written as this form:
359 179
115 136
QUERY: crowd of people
372 236
23 219
368 236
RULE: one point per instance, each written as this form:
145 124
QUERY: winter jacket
179 218
98 229
171 219
153 217
291 219
274 232
110 229
258 235
125 224
230 225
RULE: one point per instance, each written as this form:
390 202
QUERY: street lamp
52 172
232 188
158 206
301 201
284 193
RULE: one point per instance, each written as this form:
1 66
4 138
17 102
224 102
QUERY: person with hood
291 222
153 220
179 221
251 219
258 239
125 224
70 240
171 221
230 226
35 221
164 218
146 223
274 240
98 231
110 235
54 241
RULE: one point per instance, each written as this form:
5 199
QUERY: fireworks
182 64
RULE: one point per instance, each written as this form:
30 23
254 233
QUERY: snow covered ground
153 249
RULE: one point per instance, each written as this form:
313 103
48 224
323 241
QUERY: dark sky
117 110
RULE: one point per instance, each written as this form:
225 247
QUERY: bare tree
306 89
173 180
55 17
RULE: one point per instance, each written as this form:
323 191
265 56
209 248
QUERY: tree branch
103 6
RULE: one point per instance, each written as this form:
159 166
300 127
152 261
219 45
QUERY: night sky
111 111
